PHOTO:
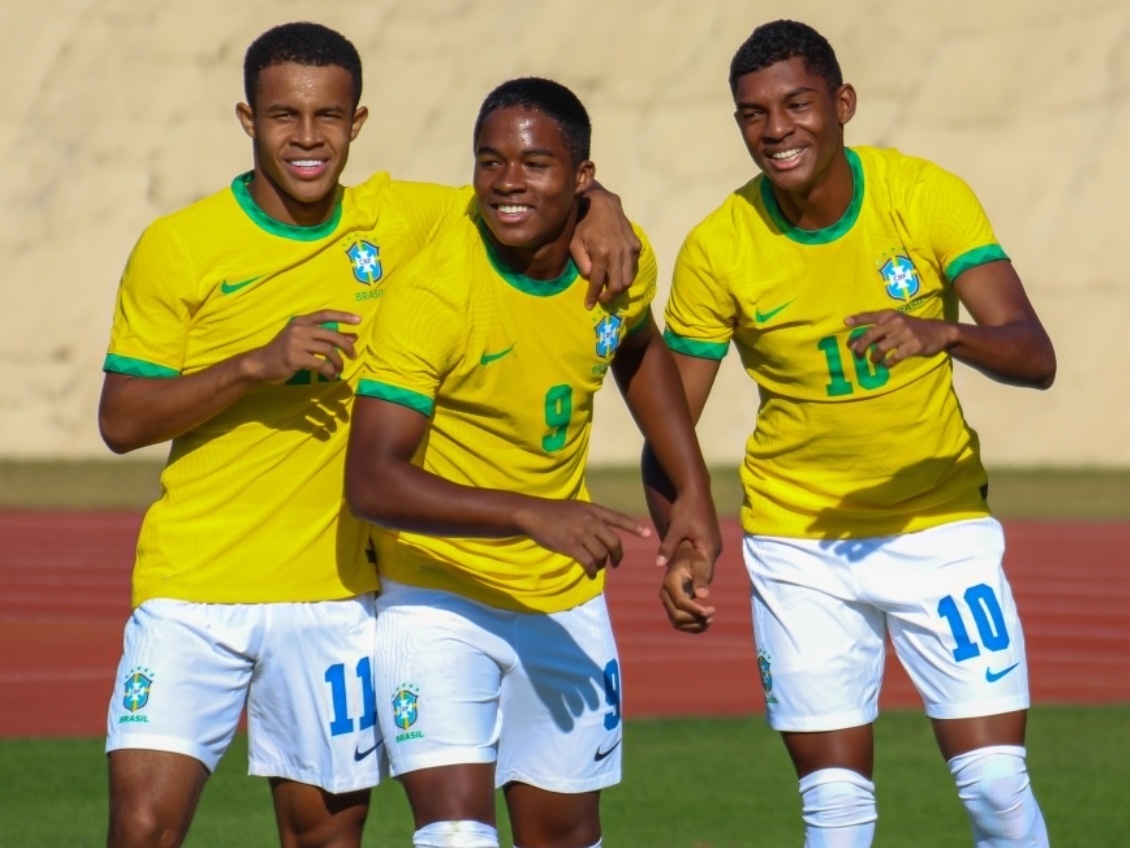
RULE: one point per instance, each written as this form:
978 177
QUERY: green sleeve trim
690 347
973 258
421 403
137 367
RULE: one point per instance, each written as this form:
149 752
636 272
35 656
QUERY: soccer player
233 338
496 663
837 274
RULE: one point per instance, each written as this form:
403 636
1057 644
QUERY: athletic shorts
536 693
304 670
822 611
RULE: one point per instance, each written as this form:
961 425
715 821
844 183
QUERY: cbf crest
901 278
608 335
405 706
137 688
366 261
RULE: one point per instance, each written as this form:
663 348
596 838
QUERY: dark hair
303 43
780 41
551 98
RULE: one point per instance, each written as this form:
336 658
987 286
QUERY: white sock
838 807
993 785
455 834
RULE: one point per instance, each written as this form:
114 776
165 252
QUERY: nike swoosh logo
761 317
230 288
488 358
600 755
993 676
359 755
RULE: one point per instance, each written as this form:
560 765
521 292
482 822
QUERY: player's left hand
894 336
693 522
685 585
605 248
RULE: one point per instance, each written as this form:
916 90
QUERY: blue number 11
335 676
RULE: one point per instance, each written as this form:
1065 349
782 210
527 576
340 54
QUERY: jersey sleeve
960 233
417 338
700 314
430 208
153 308
642 291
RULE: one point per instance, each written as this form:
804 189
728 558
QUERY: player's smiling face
527 186
792 123
302 122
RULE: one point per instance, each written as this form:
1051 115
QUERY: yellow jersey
252 504
842 448
506 368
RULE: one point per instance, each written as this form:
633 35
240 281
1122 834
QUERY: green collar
278 228
832 231
539 288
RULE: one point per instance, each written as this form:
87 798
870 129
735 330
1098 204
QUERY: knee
455 834
142 826
837 798
995 777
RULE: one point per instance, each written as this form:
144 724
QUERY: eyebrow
533 151
804 89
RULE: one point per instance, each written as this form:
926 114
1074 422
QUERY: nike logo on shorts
993 676
600 755
359 755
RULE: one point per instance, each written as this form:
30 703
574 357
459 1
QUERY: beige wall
115 111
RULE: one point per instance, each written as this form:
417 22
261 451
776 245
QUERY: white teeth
306 163
786 154
512 209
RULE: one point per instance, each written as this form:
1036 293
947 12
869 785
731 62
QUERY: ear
845 103
586 175
246 118
360 114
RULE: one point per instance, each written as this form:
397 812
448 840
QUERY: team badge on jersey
901 278
137 688
608 335
763 662
366 261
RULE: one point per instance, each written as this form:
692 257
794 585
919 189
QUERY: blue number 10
987 615
335 676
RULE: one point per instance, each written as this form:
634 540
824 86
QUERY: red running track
65 597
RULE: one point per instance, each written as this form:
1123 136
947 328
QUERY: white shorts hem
446 757
557 784
334 787
815 724
979 708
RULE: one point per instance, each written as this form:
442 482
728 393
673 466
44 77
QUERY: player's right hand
308 343
583 531
685 585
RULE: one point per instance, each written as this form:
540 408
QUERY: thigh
153 795
820 649
439 670
954 623
308 815
312 704
539 817
561 702
182 679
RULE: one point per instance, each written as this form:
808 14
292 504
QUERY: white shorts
304 670
822 611
461 682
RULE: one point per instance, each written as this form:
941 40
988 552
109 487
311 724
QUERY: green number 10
870 375
558 411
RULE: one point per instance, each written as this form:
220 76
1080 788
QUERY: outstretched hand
685 586
586 532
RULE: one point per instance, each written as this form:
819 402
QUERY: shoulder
903 175
442 265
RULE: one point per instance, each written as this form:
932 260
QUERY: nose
510 178
778 124
306 132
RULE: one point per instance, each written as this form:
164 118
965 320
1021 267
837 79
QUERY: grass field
1078 494
717 783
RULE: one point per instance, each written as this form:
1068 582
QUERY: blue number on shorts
987 615
612 694
335 676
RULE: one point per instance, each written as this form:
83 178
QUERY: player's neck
545 262
276 203
824 202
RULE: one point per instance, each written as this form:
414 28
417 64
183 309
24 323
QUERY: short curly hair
303 43
551 98
779 41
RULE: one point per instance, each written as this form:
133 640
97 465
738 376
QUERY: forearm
401 496
1017 353
138 411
